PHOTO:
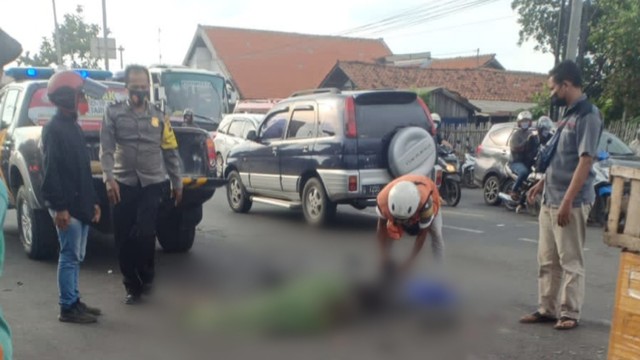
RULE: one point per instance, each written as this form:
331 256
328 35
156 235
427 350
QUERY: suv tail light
350 116
478 149
428 113
211 153
353 183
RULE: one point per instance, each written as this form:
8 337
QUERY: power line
428 31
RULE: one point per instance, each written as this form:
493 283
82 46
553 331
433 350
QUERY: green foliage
75 39
538 20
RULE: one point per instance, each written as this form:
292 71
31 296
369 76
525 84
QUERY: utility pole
574 29
106 33
57 35
121 49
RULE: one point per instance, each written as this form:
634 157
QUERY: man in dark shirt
68 191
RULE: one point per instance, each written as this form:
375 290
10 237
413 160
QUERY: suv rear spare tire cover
412 150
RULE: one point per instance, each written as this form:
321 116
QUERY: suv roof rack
316 91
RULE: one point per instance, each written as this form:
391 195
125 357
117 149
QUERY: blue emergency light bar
43 73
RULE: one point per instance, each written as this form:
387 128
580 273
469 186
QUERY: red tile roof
269 64
474 84
467 62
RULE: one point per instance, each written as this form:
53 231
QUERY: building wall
449 110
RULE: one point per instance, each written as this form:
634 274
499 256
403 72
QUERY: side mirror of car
252 135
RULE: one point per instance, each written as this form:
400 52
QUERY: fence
624 130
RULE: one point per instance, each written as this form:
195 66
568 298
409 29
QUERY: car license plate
371 190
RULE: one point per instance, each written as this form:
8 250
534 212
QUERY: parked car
321 148
232 131
254 106
493 155
25 108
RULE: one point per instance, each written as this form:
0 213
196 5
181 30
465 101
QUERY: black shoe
147 289
132 299
88 309
76 316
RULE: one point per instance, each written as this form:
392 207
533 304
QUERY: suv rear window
379 120
501 136
41 109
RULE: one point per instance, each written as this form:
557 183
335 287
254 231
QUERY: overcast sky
492 27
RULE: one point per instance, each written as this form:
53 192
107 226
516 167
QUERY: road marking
529 240
449 212
463 229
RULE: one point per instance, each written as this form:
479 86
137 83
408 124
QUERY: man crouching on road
68 190
410 203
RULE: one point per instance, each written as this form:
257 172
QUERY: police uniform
138 151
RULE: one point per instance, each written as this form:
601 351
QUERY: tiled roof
467 62
474 84
269 64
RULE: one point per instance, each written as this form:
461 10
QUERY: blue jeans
523 173
73 246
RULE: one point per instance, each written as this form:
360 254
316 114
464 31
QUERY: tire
412 150
237 195
452 191
599 213
318 209
173 235
37 233
491 190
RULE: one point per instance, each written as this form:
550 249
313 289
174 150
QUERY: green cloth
302 307
5 332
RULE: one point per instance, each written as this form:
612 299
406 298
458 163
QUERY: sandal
566 323
537 318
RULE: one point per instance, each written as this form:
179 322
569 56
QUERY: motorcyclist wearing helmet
523 147
68 190
438 122
411 204
544 127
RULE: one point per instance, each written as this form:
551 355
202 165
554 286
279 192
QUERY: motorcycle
521 203
600 211
449 189
468 167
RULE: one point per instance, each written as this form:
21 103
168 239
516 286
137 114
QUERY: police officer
137 145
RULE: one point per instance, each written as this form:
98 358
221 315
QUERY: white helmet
525 115
404 199
435 117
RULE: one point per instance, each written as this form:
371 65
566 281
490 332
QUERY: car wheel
412 150
318 209
220 165
491 191
172 235
37 233
237 195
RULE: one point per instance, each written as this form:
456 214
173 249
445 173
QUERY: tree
616 43
75 44
540 21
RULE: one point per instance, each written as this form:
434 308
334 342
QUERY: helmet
187 113
525 115
544 123
404 199
436 118
64 88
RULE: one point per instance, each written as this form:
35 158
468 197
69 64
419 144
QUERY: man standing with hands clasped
568 196
138 149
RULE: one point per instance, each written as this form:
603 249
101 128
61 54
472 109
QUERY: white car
233 130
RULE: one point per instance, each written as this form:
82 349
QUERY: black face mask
556 101
138 97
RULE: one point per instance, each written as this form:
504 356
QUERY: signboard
97 48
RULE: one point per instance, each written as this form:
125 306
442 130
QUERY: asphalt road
491 259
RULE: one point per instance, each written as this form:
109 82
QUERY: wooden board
624 339
624 207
